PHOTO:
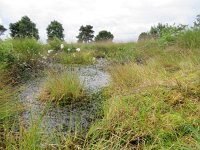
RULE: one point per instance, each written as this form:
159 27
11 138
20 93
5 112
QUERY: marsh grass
63 88
10 106
153 101
76 58
9 102
21 57
152 106
35 137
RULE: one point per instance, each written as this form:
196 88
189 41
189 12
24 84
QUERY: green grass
76 58
153 101
152 106
9 102
62 88
21 57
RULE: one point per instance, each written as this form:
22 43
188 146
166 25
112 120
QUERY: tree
197 22
86 34
55 30
24 28
161 30
104 36
2 29
143 36
156 31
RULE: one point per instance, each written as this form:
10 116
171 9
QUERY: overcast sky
126 19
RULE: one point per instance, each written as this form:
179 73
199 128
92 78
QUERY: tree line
25 28
166 31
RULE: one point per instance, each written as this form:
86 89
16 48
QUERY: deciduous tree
86 34
104 36
24 28
197 22
2 29
55 30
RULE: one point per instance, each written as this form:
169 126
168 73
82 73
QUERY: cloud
126 19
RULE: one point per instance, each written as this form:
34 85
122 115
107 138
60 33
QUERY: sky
125 19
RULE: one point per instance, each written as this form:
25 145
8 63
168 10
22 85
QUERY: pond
79 115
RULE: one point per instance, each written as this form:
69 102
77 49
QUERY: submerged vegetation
152 102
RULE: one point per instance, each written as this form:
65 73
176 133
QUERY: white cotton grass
68 49
61 46
78 49
44 57
50 51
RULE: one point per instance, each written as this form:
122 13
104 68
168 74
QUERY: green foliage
76 58
19 50
169 34
197 22
21 57
189 39
26 50
55 43
143 36
6 52
2 29
109 50
104 36
85 34
165 34
156 31
24 28
55 30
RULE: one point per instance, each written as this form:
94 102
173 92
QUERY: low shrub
55 44
189 39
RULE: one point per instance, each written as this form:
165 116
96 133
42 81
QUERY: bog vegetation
152 102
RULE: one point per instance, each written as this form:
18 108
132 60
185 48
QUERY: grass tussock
62 88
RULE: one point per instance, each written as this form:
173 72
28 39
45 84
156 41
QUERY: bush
6 52
189 39
26 49
21 57
55 44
